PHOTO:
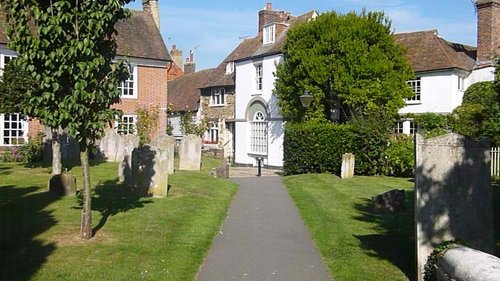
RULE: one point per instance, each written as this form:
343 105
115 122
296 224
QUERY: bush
315 147
399 157
432 125
28 152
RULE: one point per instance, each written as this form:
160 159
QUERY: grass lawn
136 238
356 243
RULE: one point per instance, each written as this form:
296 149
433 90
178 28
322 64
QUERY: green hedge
318 148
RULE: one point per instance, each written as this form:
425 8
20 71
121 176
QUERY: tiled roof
253 47
184 91
137 36
426 51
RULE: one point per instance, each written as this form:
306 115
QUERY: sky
212 29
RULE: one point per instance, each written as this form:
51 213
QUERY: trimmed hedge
318 148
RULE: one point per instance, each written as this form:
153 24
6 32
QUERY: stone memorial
347 170
114 147
453 196
63 185
149 170
168 144
392 201
221 172
190 153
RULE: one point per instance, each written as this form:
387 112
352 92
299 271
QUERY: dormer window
269 34
229 67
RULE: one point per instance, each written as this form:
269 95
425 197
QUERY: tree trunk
56 152
86 226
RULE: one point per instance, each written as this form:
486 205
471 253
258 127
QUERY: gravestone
63 185
392 201
190 153
221 172
167 143
453 196
347 170
149 170
114 147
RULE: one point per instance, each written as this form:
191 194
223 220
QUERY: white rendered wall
246 93
439 93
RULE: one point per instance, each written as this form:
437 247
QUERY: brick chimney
488 32
190 65
268 16
151 6
176 55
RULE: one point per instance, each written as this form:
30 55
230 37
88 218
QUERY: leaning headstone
347 170
114 147
392 201
167 143
190 153
453 195
150 170
63 185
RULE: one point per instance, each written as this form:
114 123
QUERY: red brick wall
152 91
488 29
268 16
174 71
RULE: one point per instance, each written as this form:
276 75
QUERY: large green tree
348 62
68 47
479 114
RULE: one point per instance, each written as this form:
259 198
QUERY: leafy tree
479 114
67 47
348 62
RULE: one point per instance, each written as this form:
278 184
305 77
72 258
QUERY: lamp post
306 99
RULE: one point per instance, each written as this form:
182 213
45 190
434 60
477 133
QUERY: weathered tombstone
222 171
167 143
190 153
114 147
150 170
63 185
392 201
347 170
453 196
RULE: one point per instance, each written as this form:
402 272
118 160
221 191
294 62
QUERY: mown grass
356 243
136 238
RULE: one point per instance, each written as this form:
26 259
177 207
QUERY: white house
258 124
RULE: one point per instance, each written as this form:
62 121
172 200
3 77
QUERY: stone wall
453 194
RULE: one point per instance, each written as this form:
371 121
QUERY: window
258 76
398 127
128 88
269 34
13 129
461 83
229 67
4 60
258 141
127 125
212 135
217 97
413 128
415 86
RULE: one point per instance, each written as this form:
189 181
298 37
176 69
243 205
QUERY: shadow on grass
110 198
22 218
496 214
66 164
5 170
396 241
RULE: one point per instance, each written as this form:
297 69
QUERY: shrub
28 152
432 125
315 147
399 157
147 122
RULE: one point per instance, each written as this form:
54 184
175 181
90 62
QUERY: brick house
140 42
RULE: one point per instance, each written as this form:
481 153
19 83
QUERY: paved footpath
263 238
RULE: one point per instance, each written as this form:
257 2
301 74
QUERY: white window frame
258 76
20 132
229 67
258 134
398 127
128 88
213 133
461 83
2 62
416 86
130 127
269 34
413 127
218 97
